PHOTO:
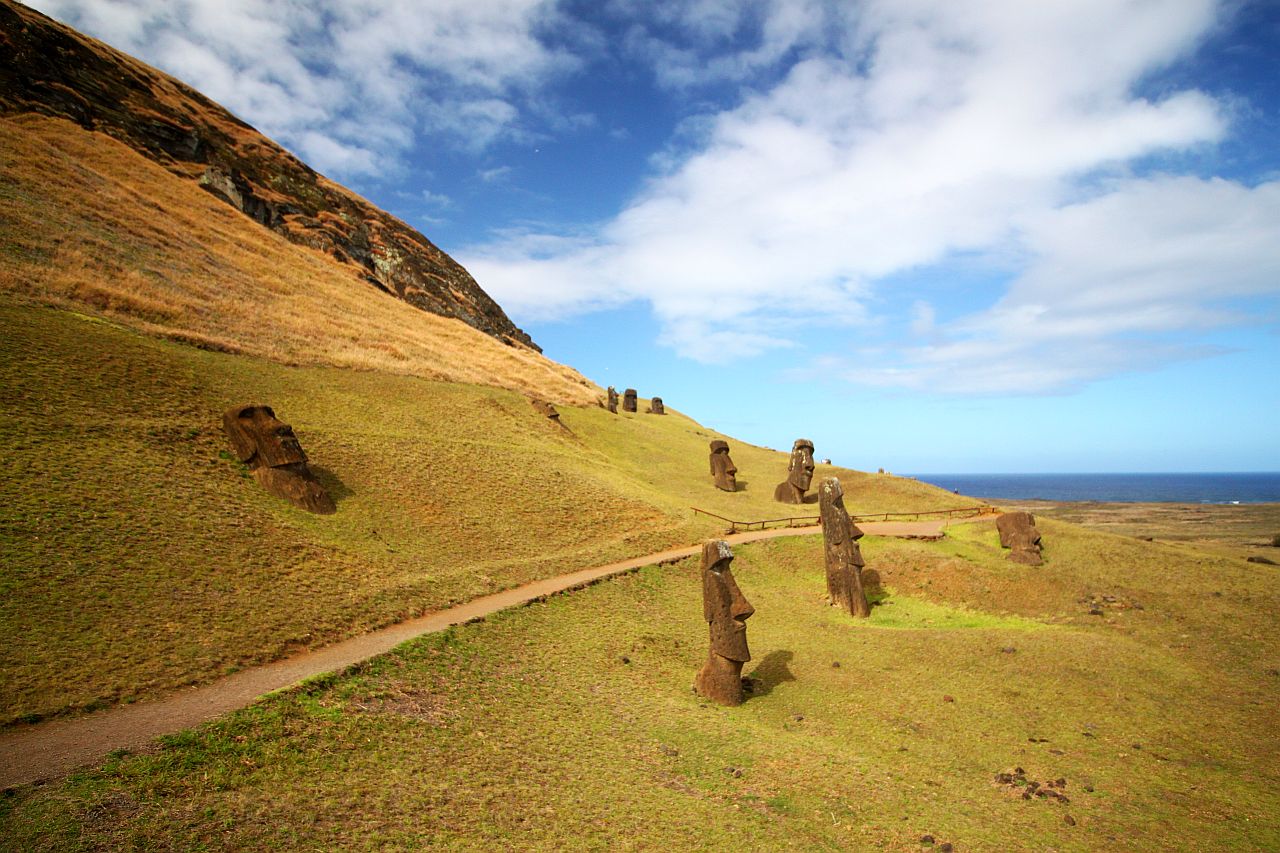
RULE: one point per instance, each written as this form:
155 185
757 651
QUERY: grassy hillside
138 556
571 723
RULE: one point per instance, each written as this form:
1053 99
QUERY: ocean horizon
1208 488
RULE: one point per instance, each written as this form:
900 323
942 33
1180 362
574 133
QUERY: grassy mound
570 723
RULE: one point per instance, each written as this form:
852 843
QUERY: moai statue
275 457
844 557
722 467
726 611
544 408
655 406
1018 533
612 404
629 400
799 474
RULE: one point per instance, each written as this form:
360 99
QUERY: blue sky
930 235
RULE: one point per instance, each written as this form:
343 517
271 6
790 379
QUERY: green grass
138 556
570 723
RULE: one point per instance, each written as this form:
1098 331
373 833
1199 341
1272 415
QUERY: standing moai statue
844 558
726 610
275 457
655 406
799 474
722 467
612 400
1018 533
629 400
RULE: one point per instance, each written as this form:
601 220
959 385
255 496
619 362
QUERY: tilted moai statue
1018 533
844 557
726 610
275 457
722 467
612 400
547 410
799 474
655 406
629 400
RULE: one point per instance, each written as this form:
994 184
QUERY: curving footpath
52 749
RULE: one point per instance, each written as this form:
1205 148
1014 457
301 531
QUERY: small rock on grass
1068 820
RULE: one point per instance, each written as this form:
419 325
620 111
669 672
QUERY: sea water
1229 488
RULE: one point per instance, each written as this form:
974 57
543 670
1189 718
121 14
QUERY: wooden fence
807 521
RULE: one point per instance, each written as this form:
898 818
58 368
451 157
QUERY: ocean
1119 488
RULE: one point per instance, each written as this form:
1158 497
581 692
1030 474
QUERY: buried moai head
799 473
655 406
629 400
547 410
722 467
843 555
1018 533
726 611
274 455
611 400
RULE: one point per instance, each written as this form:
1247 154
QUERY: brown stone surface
51 69
629 400
656 407
726 611
548 411
799 474
722 467
274 456
611 400
1019 534
843 555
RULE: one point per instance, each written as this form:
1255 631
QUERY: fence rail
806 521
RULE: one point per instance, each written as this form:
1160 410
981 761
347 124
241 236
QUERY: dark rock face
274 455
726 610
53 70
722 467
844 558
611 402
656 407
799 474
1018 533
629 400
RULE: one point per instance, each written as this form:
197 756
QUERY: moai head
799 473
547 410
655 406
843 556
629 400
1018 533
837 527
612 400
722 467
724 606
274 455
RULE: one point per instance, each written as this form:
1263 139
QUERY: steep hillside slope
139 556
50 69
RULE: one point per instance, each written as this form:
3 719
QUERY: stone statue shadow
811 498
772 670
873 589
335 487
743 485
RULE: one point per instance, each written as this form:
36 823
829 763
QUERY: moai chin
722 467
612 400
655 406
1018 533
799 474
726 610
275 457
629 400
844 557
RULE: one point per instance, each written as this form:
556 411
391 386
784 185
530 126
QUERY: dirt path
50 750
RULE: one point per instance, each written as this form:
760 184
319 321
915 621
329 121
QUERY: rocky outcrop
51 69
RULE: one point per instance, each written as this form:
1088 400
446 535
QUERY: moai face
656 407
612 400
724 606
800 468
722 467
260 439
629 400
1018 533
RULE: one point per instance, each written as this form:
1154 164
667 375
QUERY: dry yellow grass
87 222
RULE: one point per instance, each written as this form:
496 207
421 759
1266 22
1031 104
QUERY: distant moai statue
655 406
1018 533
612 400
629 400
799 474
275 457
726 611
547 410
722 467
844 557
